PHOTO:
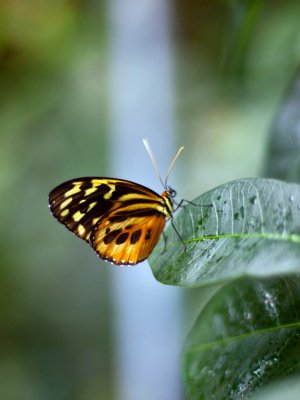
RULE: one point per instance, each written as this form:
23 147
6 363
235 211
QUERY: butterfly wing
80 202
94 207
129 241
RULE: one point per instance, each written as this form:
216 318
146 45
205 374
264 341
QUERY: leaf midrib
229 339
289 237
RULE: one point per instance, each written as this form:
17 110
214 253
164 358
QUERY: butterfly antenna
149 151
172 165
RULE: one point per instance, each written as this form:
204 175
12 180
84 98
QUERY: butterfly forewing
120 219
78 203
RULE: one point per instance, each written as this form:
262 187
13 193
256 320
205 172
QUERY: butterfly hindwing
129 241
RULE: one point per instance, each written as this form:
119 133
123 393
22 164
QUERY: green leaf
252 227
283 158
246 336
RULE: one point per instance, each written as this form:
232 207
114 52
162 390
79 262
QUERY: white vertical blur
147 314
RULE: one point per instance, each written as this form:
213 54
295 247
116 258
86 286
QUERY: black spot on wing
135 236
122 238
111 236
118 218
145 213
148 234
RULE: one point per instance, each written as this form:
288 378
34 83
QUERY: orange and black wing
128 236
120 219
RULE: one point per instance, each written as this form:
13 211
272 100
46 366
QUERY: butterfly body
120 219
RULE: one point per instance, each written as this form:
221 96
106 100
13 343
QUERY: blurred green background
232 61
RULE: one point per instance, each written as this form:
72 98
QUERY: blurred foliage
54 318
233 60
282 156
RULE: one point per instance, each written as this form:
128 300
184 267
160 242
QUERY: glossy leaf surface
247 336
252 227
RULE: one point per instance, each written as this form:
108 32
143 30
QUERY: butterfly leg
165 242
182 201
181 204
178 234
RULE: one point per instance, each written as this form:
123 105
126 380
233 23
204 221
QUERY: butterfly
121 220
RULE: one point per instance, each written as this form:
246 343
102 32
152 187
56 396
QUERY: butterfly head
170 191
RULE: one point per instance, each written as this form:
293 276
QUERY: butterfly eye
171 192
